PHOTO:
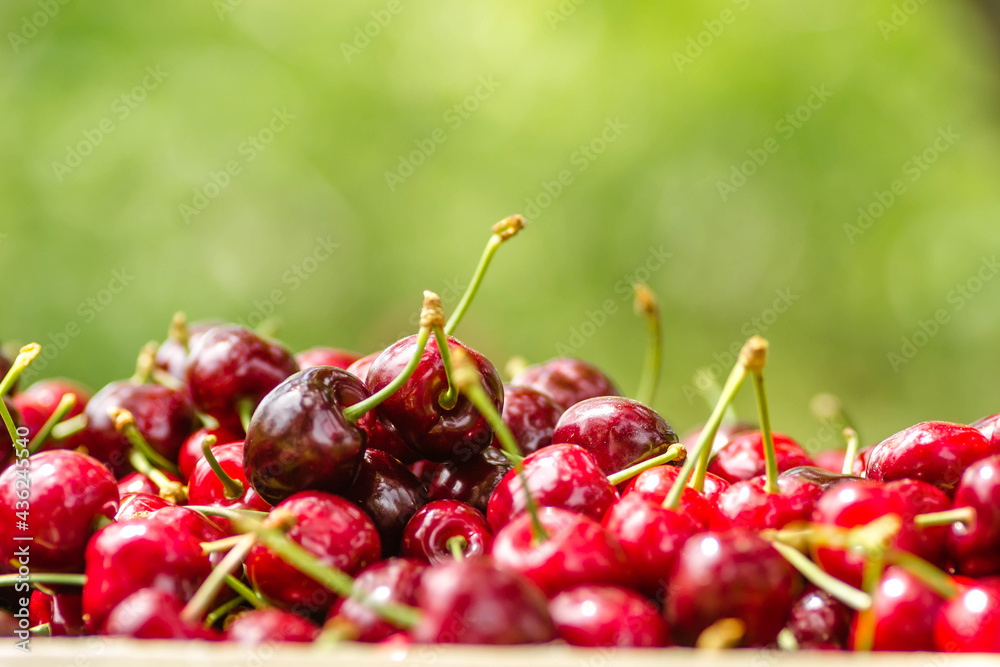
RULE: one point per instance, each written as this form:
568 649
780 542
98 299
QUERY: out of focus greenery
550 76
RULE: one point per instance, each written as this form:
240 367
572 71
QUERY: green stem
457 544
44 578
846 593
197 606
770 458
41 630
155 475
225 544
220 612
21 362
245 409
247 593
646 305
125 424
232 488
66 404
226 512
449 397
70 427
353 413
853 444
674 452
965 515
503 230
938 579
871 575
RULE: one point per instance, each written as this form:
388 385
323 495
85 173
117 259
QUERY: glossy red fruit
578 550
735 574
389 494
393 580
326 356
861 460
935 452
415 412
819 621
299 438
990 428
426 536
137 482
359 368
150 613
205 488
904 608
384 438
748 504
263 626
229 365
172 355
564 476
531 417
57 498
471 482
566 381
617 431
655 483
335 531
608 616
127 556
830 459
62 611
190 452
474 601
743 457
139 506
39 401
970 621
975 548
194 525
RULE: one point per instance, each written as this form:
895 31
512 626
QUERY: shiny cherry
139 506
62 611
975 547
393 580
205 487
39 401
819 620
326 356
990 428
904 610
471 482
566 381
748 504
190 452
743 457
172 354
656 482
137 482
389 493
531 417
831 460
263 626
427 535
593 615
969 622
151 613
194 525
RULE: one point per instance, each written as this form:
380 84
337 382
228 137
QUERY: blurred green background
237 159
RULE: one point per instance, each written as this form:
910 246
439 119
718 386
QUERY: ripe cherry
819 621
137 482
472 482
990 428
656 483
206 487
62 611
190 452
749 504
531 417
975 546
608 616
437 527
393 580
903 613
326 356
389 493
140 505
264 626
566 381
151 613
743 457
969 622
39 401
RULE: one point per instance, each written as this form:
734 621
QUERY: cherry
392 580
655 483
140 505
565 476
192 524
230 369
299 438
39 401
935 452
359 368
389 493
749 504
975 547
151 613
990 428
903 613
331 528
472 482
969 622
593 615
860 464
206 487
70 495
137 482
735 574
431 533
725 433
831 460
127 556
617 431
384 438
172 354
819 621
821 477
326 356
474 601
743 457
531 417
190 452
566 381
62 611
263 626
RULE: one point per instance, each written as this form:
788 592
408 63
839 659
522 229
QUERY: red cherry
190 452
975 548
531 417
359 368
743 457
205 487
566 381
830 459
748 504
389 493
393 580
326 356
39 401
427 535
608 616
969 622
472 482
62 611
990 428
656 482
150 613
819 621
263 626
172 355
904 610
139 506
136 482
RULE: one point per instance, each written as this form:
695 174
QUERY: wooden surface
94 651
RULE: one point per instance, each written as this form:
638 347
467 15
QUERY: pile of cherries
233 491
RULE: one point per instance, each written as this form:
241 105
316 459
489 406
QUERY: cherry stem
169 489
470 384
69 427
125 424
247 593
942 583
244 409
225 544
232 488
219 612
770 458
703 448
849 595
431 315
965 515
674 452
503 230
178 331
712 393
724 633
145 363
449 397
648 307
66 404
197 606
853 444
44 578
21 362
457 544
41 630
403 616
226 512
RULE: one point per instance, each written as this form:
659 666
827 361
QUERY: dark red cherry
969 622
150 613
617 431
819 620
578 550
904 610
975 547
415 411
656 482
384 438
389 493
427 534
205 487
471 482
62 611
172 355
263 626
139 506
749 505
165 418
566 381
230 366
68 495
190 452
299 438
335 531
326 356
935 452
474 601
607 616
137 482
565 476
531 417
743 457
735 574
39 401
127 556
393 580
